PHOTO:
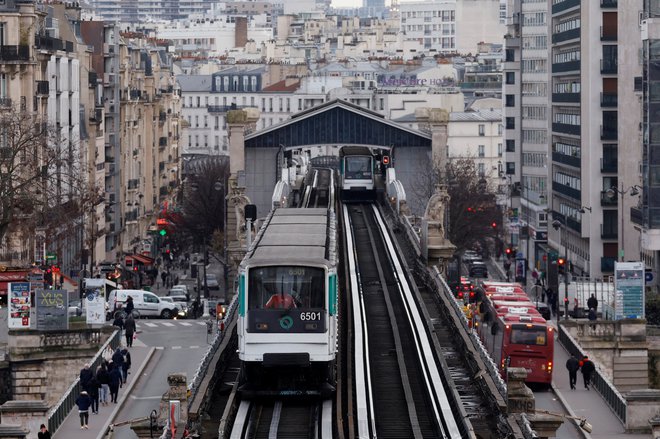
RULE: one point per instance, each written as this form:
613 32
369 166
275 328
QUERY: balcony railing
42 88
570 34
607 264
608 66
566 4
566 190
609 165
608 232
566 97
609 99
15 53
608 133
566 159
606 200
566 128
568 66
44 42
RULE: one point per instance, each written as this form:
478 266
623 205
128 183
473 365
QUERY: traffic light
561 266
163 232
135 268
509 252
494 225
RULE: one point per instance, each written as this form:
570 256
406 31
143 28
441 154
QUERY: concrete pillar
436 120
178 391
642 410
655 427
25 415
545 425
520 399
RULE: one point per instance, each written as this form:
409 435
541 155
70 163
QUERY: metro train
357 170
288 306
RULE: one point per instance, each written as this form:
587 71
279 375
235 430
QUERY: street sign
629 290
648 276
51 256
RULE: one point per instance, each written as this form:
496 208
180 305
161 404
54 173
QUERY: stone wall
5 382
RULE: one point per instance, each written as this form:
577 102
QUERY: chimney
240 32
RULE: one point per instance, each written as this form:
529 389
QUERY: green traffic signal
163 232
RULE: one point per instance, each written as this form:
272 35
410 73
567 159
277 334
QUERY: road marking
201 323
176 347
145 397
160 348
185 324
194 347
151 325
168 324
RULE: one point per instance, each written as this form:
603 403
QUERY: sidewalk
98 424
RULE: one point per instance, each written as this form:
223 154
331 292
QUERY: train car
357 170
287 316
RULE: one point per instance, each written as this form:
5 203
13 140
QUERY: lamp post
612 192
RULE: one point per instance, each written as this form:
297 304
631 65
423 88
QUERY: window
482 129
510 77
300 286
510 145
510 101
510 168
509 55
481 169
510 123
198 100
499 150
482 151
196 121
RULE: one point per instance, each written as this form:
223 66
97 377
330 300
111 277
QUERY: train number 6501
310 316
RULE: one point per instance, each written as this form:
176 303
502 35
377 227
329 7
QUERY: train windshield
286 287
535 335
358 168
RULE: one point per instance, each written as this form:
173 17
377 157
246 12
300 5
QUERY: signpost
94 300
52 309
629 290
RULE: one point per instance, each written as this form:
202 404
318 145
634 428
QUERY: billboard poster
94 301
629 290
52 309
19 305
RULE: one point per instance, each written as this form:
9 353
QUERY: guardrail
485 357
60 411
193 386
413 236
599 381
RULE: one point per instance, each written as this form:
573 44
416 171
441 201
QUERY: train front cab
287 331
357 176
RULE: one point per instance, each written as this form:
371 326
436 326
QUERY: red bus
516 335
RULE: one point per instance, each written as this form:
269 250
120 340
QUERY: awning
7 277
145 260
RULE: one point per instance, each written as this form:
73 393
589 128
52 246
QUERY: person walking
130 329
43 432
86 374
588 369
127 363
93 391
83 402
118 322
115 381
129 306
118 362
573 365
593 303
103 377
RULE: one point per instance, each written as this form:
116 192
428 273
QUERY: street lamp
559 225
612 192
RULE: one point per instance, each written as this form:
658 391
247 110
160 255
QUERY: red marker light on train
386 160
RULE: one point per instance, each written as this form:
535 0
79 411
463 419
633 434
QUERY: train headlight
262 326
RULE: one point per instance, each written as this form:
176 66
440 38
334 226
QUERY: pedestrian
43 432
103 378
592 315
119 322
83 402
130 328
115 381
588 368
573 365
130 306
127 362
86 375
592 303
550 294
118 361
93 391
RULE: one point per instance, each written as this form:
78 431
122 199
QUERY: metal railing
202 369
599 382
58 413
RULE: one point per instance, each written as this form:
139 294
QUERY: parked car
212 282
478 269
181 303
178 291
146 303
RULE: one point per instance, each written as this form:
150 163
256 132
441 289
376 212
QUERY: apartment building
135 11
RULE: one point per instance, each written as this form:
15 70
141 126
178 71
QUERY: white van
146 303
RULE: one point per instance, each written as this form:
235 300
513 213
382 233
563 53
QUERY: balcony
564 5
608 100
135 94
607 264
608 66
225 108
566 190
42 88
609 232
566 159
574 224
133 183
15 53
609 165
569 66
608 133
606 200
96 115
636 216
606 4
566 97
566 128
44 42
608 34
570 34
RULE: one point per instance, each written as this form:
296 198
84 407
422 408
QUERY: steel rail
363 389
441 405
